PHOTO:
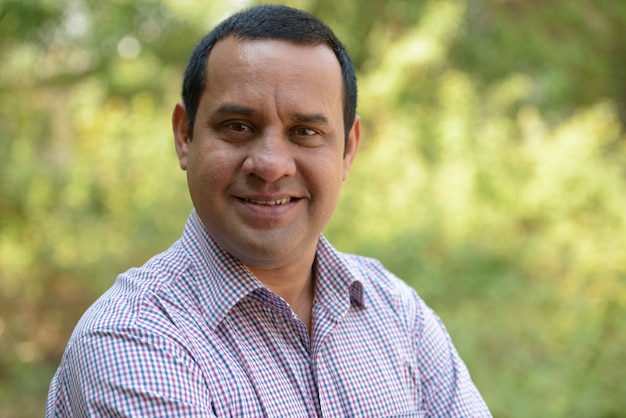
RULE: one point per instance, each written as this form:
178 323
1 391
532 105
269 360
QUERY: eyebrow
233 109
310 118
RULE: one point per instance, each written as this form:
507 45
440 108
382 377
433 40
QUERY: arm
127 373
447 388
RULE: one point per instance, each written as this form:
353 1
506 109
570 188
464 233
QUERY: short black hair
269 22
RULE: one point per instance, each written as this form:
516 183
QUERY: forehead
273 72
233 55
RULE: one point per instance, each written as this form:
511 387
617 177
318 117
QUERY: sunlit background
491 177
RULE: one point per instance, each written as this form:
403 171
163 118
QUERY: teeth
270 202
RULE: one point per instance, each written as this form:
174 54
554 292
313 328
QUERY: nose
270 157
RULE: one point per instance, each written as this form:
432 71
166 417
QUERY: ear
182 140
354 139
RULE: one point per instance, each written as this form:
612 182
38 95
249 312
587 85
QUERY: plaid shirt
193 333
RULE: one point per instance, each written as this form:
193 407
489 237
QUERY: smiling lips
269 202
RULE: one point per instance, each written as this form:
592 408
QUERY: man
252 312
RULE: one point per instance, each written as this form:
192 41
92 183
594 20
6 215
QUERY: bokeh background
492 177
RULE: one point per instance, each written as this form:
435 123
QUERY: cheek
213 161
209 170
328 180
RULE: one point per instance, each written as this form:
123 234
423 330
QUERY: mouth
269 202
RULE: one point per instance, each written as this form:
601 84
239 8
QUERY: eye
304 132
306 137
235 131
238 127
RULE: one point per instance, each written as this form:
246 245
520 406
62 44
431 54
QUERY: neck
295 286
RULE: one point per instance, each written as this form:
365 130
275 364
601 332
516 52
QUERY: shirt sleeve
127 373
447 388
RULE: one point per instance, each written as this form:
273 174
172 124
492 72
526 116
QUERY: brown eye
308 132
304 132
307 137
238 127
234 131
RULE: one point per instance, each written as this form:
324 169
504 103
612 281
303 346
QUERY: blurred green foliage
491 177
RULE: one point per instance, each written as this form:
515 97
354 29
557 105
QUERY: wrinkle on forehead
255 69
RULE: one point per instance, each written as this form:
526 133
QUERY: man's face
266 162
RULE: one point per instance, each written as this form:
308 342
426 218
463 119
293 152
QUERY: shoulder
383 290
389 295
447 385
131 326
136 295
372 272
375 277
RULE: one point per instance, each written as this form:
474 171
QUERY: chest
262 363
